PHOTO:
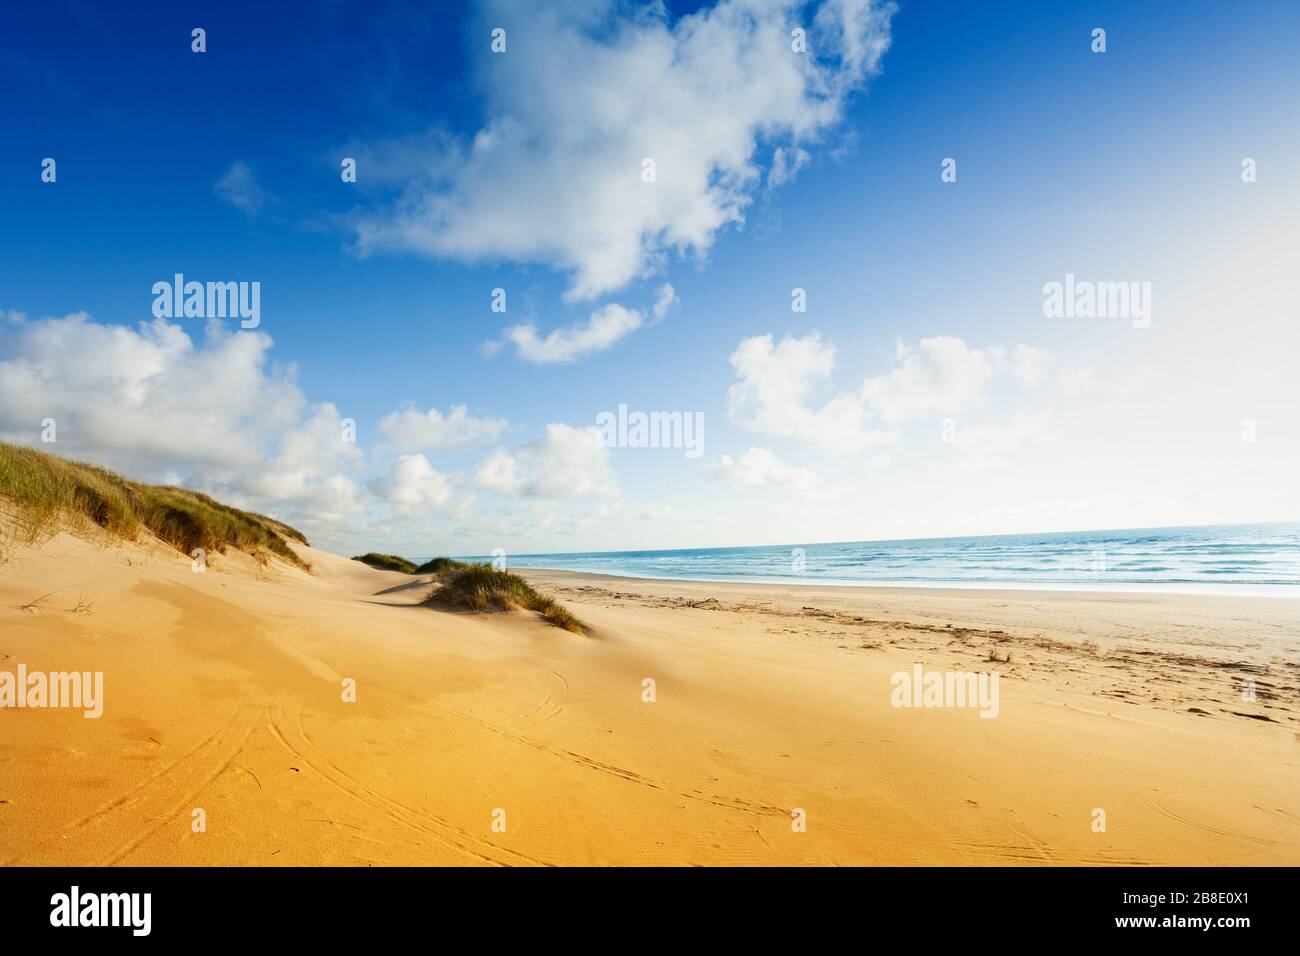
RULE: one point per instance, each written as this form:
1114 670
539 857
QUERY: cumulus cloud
306 468
776 389
153 403
499 473
413 429
941 374
414 483
568 463
585 93
760 468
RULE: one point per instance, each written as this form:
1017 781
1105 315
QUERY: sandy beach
496 739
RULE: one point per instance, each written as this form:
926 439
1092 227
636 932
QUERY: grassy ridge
441 566
395 562
386 562
46 489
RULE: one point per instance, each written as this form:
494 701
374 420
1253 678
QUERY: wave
1246 555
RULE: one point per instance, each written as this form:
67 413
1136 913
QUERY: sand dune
223 693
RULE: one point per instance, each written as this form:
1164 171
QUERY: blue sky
925 299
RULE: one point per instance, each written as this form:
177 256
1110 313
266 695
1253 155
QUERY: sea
1258 559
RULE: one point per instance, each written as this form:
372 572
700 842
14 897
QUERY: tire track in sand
285 725
152 799
509 731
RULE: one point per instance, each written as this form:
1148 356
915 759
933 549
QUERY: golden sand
496 739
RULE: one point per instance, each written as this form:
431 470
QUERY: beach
769 732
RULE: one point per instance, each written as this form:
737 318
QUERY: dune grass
386 562
441 566
479 587
395 562
45 490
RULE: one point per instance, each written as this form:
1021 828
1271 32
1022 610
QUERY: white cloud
1032 367
1076 381
666 302
412 429
499 473
413 483
786 163
306 468
152 403
602 329
598 332
569 463
585 92
775 395
240 188
986 447
942 374
759 468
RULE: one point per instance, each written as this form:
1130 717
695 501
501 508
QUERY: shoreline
1283 591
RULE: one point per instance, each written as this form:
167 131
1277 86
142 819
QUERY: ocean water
1259 559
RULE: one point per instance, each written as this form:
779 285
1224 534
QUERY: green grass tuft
45 490
386 562
479 587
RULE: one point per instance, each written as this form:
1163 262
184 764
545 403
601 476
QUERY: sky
825 234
